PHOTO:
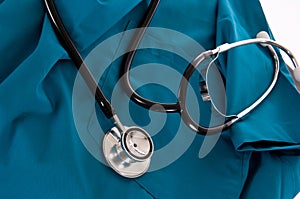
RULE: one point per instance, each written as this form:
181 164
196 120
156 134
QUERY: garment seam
145 189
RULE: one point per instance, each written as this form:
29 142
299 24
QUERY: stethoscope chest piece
129 152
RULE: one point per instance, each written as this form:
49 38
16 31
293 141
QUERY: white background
284 19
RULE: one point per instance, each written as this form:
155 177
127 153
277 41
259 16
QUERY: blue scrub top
42 155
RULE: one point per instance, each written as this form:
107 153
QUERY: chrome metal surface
137 143
130 155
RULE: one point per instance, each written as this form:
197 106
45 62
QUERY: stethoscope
128 150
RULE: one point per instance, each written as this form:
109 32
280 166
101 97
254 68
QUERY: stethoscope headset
128 150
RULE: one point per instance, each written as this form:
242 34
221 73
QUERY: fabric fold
273 125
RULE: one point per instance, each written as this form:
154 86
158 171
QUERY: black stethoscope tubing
130 162
180 105
75 56
102 101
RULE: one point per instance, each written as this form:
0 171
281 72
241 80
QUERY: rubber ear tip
264 35
296 73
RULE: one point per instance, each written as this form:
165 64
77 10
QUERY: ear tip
263 34
296 73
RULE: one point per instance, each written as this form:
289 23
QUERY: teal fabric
273 125
41 154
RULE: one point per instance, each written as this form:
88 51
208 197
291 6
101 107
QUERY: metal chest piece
128 152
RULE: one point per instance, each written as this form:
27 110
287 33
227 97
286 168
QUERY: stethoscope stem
118 123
